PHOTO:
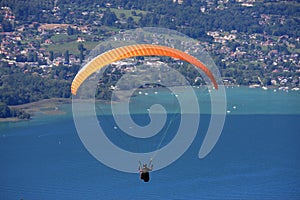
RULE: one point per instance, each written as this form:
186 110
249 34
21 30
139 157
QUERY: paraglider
133 51
144 171
124 52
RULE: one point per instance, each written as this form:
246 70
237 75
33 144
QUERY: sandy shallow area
45 106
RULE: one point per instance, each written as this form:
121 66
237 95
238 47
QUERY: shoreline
51 106
44 106
44 103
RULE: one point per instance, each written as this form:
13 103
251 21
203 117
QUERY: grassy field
127 13
72 47
63 42
63 38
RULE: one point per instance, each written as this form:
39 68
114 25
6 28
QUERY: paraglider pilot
144 171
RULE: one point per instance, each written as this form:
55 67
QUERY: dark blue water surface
256 157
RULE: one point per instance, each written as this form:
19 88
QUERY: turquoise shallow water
258 101
256 157
240 100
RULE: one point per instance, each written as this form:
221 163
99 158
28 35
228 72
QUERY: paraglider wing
133 51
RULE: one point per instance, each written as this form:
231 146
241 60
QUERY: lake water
256 157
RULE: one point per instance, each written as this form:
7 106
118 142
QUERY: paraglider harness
145 176
144 171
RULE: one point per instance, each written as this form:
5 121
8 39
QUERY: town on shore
47 42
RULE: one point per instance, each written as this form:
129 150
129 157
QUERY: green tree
81 57
67 57
51 55
109 18
81 47
7 26
4 110
130 22
70 30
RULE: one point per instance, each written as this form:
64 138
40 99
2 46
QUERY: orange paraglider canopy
133 51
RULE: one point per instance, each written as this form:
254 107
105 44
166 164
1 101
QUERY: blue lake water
256 157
